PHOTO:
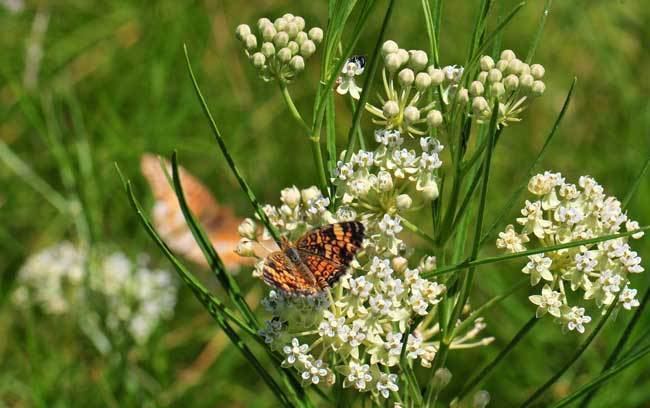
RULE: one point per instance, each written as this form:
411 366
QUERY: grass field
111 84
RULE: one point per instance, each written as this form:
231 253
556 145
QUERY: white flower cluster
561 213
62 280
281 47
407 77
360 333
510 81
385 180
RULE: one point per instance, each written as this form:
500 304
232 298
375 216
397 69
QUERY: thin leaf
538 33
522 186
216 265
492 259
581 349
231 163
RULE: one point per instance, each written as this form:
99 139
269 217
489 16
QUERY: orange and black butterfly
219 222
316 261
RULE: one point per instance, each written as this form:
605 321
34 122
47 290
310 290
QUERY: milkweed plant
414 168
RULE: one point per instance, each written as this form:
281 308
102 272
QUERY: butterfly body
316 261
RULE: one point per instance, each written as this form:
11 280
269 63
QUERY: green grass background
119 66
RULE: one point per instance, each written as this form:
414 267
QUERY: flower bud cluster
509 81
562 212
59 281
281 47
406 78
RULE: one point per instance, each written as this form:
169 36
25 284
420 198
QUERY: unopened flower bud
511 82
297 63
486 62
481 399
389 47
479 104
288 16
309 194
294 47
242 31
418 60
267 49
515 66
497 89
403 56
391 109
406 77
462 96
422 81
494 76
301 37
441 378
525 69
482 77
476 88
502 65
526 81
537 71
245 248
411 114
434 118
300 22
292 29
280 24
430 190
307 49
403 202
258 60
316 35
268 33
508 55
392 62
290 196
437 76
263 22
284 55
281 39
250 42
538 88
247 229
399 264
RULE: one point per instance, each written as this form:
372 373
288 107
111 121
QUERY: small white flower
628 298
549 301
538 268
575 319
510 240
353 67
295 352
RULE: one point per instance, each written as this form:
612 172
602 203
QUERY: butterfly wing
327 251
219 223
282 274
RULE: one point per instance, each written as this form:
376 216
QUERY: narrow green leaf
581 349
538 33
231 163
522 186
214 306
492 259
494 34
216 265
636 183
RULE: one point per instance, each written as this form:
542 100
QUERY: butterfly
219 222
316 261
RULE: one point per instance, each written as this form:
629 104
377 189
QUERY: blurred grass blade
478 31
494 34
538 33
602 378
330 132
636 183
25 172
214 306
492 259
515 195
229 284
433 30
231 163
581 349
487 370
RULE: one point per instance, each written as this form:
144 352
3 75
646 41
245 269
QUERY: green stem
292 107
414 228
